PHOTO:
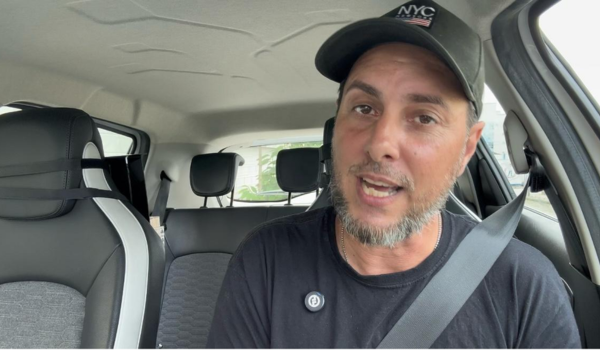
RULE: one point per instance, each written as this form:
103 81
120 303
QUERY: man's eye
363 109
426 120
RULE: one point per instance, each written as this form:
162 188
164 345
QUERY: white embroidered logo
418 15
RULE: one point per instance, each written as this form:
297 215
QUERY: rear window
114 144
256 181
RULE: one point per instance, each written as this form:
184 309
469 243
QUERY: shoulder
528 276
460 223
519 263
284 233
300 219
526 281
517 257
293 224
526 261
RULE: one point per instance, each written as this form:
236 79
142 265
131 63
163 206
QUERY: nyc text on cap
422 23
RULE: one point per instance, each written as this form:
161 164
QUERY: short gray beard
420 213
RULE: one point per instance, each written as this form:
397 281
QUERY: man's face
400 141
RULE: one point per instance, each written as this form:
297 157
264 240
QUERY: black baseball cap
422 23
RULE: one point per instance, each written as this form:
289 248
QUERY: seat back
75 272
199 244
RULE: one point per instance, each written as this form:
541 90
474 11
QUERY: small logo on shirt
418 15
314 301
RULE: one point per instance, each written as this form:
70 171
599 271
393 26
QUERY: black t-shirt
522 301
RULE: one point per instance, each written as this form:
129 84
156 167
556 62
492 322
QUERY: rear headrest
326 152
43 135
324 199
214 174
298 169
328 131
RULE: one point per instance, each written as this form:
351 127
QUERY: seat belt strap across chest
446 293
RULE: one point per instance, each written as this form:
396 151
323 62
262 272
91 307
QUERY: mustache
377 168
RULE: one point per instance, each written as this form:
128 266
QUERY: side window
493 134
7 109
582 58
115 144
256 181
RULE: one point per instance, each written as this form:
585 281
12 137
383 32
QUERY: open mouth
378 188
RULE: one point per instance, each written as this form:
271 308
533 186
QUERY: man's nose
385 136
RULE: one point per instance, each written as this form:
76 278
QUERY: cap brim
338 54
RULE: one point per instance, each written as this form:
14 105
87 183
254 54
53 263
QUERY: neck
403 256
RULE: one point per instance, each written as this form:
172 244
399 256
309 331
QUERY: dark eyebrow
431 99
369 89
414 98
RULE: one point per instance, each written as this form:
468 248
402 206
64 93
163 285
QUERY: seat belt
62 194
160 205
157 218
446 293
52 166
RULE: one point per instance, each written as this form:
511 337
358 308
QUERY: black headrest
328 130
214 174
326 152
43 135
298 169
324 198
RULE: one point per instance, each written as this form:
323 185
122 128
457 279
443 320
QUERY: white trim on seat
137 261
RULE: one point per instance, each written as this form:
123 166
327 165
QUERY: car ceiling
186 71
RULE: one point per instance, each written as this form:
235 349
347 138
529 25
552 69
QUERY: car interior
142 140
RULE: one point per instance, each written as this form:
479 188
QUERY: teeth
377 183
373 192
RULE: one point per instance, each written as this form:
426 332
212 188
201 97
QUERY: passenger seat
80 268
200 242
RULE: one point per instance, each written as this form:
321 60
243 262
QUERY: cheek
348 151
349 148
432 163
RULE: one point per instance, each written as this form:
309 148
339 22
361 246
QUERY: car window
256 181
114 144
493 134
7 109
582 58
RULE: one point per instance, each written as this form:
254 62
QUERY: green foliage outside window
267 188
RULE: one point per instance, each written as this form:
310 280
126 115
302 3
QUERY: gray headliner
186 71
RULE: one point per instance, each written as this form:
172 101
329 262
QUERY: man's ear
471 144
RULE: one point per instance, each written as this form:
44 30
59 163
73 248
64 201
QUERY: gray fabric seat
200 242
83 273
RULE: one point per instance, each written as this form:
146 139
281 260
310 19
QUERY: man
410 96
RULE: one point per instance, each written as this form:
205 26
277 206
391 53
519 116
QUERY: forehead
406 62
